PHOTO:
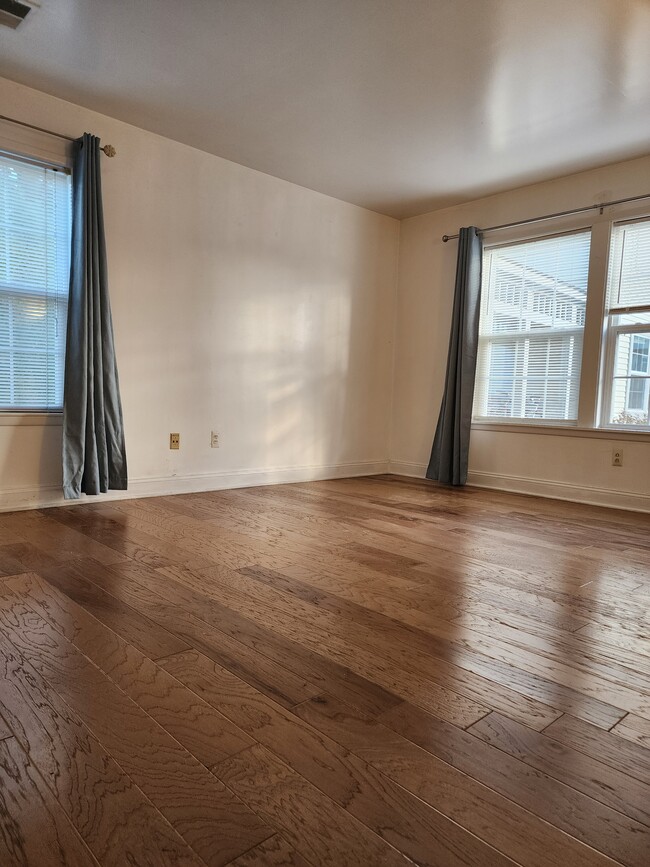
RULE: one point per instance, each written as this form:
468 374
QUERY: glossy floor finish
367 671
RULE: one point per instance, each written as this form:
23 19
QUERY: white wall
266 311
241 303
562 466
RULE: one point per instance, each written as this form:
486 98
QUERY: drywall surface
568 467
242 304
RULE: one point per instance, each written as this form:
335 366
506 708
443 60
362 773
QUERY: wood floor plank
156 546
147 635
114 818
632 759
446 640
634 728
274 852
509 828
438 669
213 822
320 630
319 829
204 732
605 829
34 830
5 731
585 774
145 588
180 622
53 540
617 666
385 668
307 664
20 557
547 690
423 834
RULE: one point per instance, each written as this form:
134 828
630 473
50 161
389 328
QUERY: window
35 209
540 328
531 329
627 380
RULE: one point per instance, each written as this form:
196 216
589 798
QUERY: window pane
532 322
640 354
631 383
629 265
637 394
34 273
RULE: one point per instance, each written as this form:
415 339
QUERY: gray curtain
450 450
94 457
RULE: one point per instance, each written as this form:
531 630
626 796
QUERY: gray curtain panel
94 457
450 450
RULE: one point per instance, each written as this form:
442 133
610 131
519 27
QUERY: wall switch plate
174 441
214 440
617 457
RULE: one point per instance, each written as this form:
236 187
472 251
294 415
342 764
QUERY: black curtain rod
598 207
109 150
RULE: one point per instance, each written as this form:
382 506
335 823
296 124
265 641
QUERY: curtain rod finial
109 150
445 238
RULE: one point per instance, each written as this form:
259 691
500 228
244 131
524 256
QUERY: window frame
613 332
521 236
595 388
35 148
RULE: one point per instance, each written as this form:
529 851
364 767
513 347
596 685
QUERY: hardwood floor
372 671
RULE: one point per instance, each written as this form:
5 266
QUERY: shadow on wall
295 369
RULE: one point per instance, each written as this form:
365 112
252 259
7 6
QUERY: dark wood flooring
371 671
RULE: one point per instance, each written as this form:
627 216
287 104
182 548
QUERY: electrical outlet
214 439
617 457
174 441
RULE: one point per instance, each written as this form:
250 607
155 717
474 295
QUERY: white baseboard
553 490
46 496
593 496
407 468
51 495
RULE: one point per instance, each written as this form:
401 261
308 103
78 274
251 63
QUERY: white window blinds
531 329
35 214
629 266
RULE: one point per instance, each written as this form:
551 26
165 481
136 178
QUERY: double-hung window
627 393
564 335
35 217
531 329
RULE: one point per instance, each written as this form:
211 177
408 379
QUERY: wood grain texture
213 822
583 773
202 730
508 827
630 758
356 671
114 818
634 728
317 827
423 834
34 830
274 852
609 831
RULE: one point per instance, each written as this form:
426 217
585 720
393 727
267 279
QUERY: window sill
564 431
31 419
